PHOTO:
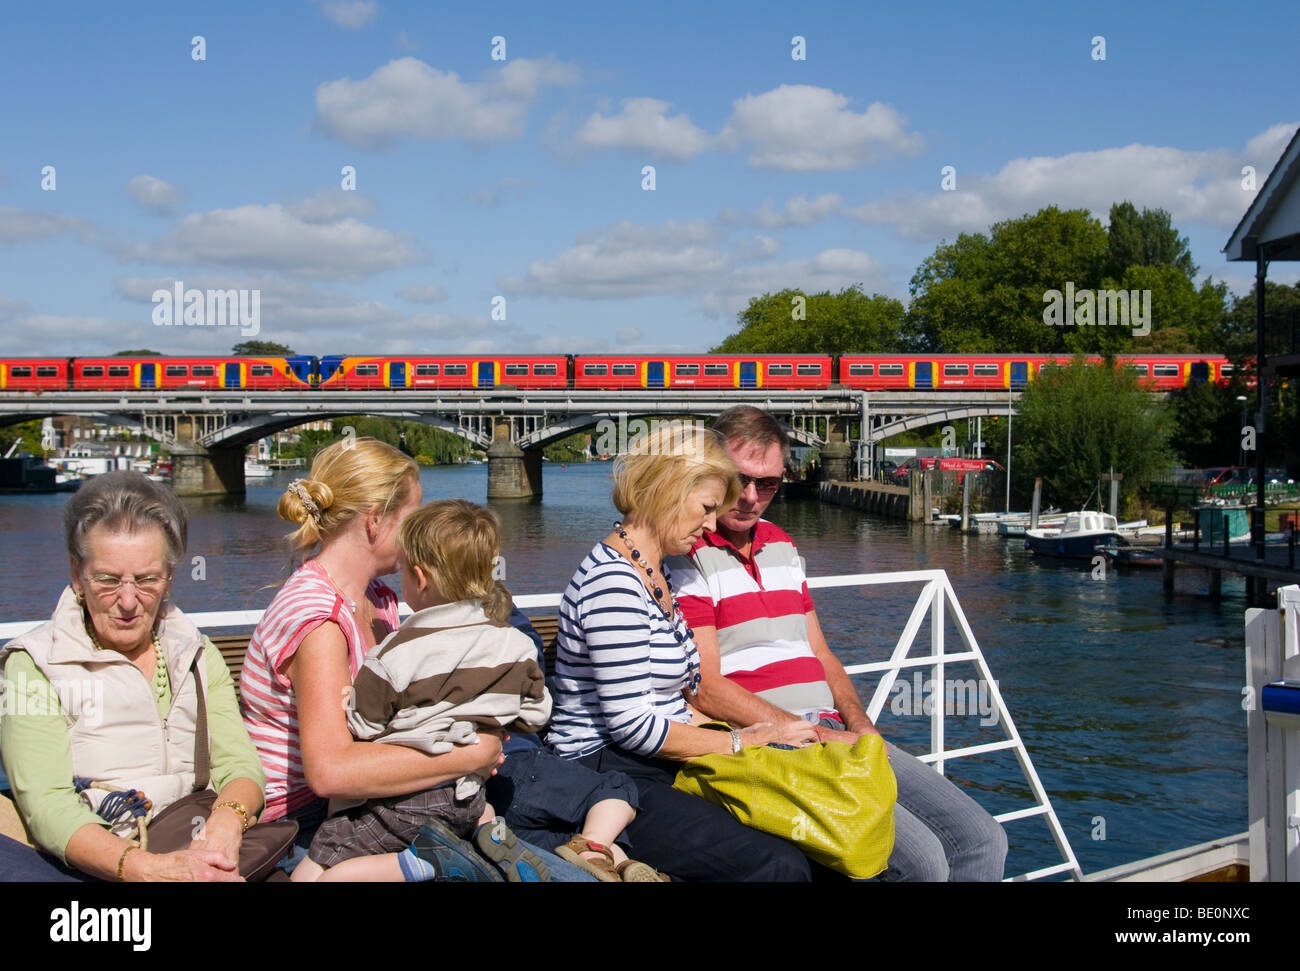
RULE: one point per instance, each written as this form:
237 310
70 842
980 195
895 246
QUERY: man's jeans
940 833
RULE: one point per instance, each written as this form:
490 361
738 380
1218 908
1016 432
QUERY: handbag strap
202 754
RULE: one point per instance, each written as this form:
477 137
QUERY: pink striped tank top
307 600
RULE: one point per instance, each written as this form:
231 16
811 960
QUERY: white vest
117 737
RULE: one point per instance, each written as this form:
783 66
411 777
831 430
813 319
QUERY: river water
1128 698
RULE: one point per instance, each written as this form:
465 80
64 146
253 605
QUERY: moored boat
1077 539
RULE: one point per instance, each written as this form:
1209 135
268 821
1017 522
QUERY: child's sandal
602 869
634 871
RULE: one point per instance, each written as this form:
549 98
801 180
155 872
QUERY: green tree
1077 422
985 294
261 349
28 431
140 353
840 323
1144 239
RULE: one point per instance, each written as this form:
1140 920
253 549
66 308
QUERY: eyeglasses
763 485
146 587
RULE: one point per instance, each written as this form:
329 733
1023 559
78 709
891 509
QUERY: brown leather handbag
264 844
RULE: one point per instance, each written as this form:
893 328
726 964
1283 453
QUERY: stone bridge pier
200 471
837 453
513 473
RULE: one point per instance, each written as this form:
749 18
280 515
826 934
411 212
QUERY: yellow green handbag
832 799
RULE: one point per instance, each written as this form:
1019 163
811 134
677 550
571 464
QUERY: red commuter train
866 372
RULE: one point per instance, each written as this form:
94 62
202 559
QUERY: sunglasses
764 485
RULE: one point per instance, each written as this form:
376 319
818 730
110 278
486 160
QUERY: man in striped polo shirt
764 659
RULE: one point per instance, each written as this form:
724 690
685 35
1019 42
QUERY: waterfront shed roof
1273 218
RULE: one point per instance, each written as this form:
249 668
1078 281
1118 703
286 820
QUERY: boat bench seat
234 646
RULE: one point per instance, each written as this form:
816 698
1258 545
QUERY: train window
47 371
426 370
780 370
1166 370
722 369
1138 369
986 370
810 369
892 370
367 370
92 371
177 370
20 372
689 370
956 370
261 370
119 371
517 369
545 369
204 371
861 370
452 369
622 369
594 369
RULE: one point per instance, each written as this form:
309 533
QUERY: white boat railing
937 600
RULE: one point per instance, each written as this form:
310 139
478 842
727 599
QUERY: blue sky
522 178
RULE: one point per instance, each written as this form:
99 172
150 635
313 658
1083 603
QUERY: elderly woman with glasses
108 701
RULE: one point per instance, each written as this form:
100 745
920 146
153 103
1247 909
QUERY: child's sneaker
517 862
450 856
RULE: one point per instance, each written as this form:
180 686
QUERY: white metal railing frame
1273 752
936 598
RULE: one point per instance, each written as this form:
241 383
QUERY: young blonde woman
313 638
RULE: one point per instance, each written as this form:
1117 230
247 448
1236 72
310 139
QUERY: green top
42 776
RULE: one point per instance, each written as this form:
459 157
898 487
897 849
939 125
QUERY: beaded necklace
675 617
161 679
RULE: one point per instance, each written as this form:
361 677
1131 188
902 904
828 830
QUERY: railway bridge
207 430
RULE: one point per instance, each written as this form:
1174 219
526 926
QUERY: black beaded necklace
675 617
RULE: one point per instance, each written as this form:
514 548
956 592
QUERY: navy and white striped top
620 667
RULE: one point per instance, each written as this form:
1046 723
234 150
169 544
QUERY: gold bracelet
121 862
237 807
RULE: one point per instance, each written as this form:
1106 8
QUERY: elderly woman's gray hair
124 502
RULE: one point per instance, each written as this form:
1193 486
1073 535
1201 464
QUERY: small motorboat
1077 538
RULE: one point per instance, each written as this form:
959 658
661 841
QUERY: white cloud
154 194
523 77
1193 186
628 260
275 237
331 206
352 14
20 225
758 247
802 128
831 269
627 335
41 334
406 98
9 309
798 211
405 42
643 125
422 293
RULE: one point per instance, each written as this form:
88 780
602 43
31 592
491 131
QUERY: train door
654 374
1019 374
487 374
1199 372
397 374
148 375
329 366
924 374
231 375
748 374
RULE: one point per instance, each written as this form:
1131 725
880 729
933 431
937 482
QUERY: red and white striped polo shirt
307 600
759 604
